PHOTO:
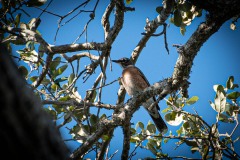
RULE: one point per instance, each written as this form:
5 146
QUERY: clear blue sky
216 61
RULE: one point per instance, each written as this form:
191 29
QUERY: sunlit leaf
33 78
233 26
220 99
129 1
105 137
174 118
151 128
61 69
17 19
151 148
192 100
71 78
166 110
183 30
54 87
140 125
135 139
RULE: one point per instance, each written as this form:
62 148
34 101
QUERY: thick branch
78 47
188 51
126 139
79 104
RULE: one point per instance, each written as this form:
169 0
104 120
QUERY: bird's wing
145 79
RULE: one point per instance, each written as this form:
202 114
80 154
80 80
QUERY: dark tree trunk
26 130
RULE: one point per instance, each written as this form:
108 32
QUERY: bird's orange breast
133 80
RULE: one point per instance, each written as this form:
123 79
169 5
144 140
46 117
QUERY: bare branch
80 55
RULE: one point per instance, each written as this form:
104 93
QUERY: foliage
193 130
183 14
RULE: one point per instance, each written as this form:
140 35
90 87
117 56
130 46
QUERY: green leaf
166 140
153 142
93 120
151 148
105 137
220 99
180 131
183 29
177 18
33 78
63 99
71 78
191 143
17 19
233 95
133 131
159 9
129 1
23 71
55 62
30 45
61 79
223 118
103 117
139 124
54 87
192 100
60 70
151 128
135 139
230 83
166 110
174 118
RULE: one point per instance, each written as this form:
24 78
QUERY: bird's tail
160 124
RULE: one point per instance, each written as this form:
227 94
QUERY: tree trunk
26 130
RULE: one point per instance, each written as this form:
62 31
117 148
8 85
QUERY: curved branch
151 27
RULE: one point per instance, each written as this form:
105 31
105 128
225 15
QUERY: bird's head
123 62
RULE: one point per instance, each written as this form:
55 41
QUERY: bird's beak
116 61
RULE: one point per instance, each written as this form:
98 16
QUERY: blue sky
217 59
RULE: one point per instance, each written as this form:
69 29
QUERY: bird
134 82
